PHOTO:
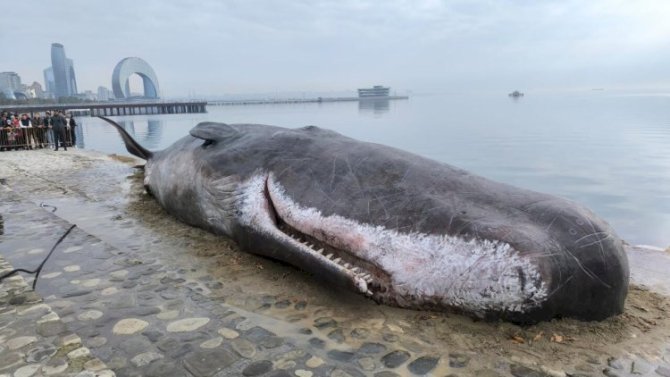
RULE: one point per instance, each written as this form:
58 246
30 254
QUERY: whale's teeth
369 293
320 251
366 276
329 256
347 265
355 269
337 260
310 245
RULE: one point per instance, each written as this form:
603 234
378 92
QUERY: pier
300 100
114 108
120 108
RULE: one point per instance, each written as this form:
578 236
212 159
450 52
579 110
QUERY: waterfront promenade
114 108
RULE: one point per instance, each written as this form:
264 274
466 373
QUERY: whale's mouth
413 270
319 245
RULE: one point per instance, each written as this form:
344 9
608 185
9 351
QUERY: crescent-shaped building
129 66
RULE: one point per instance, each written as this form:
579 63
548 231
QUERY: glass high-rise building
49 83
65 82
70 78
10 83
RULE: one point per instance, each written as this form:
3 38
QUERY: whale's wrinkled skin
399 228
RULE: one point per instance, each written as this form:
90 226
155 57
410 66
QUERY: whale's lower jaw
407 270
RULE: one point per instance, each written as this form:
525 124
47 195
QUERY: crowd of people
53 129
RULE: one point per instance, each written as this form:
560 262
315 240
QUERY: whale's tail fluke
131 145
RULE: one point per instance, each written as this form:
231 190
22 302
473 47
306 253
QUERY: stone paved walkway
34 341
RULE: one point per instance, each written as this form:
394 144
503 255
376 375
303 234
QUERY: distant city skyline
218 48
61 81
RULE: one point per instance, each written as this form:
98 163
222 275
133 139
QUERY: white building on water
375 91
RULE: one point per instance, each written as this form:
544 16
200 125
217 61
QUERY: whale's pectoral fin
212 132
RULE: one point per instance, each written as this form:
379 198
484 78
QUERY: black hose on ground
39 268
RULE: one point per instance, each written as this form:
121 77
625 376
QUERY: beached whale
399 228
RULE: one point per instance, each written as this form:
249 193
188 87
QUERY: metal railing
12 138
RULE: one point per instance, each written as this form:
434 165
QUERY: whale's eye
207 143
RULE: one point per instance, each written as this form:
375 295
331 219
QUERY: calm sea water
608 151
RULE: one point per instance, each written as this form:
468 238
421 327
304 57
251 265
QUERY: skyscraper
10 82
49 83
65 83
70 78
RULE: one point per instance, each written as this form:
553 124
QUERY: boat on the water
516 94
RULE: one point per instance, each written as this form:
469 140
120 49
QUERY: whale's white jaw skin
410 270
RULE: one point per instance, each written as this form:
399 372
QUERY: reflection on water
128 125
153 133
376 106
608 152
79 136
2 225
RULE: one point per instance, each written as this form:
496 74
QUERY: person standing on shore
28 130
71 126
38 131
48 128
58 121
20 135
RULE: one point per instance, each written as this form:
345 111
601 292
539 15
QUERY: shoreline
129 159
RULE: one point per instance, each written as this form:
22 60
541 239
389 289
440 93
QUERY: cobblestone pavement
34 340
151 297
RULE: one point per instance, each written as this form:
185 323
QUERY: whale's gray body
400 228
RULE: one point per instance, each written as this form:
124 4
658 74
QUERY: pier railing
12 138
115 108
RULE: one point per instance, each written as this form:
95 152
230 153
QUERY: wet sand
103 195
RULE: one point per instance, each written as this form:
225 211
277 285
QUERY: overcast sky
215 47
